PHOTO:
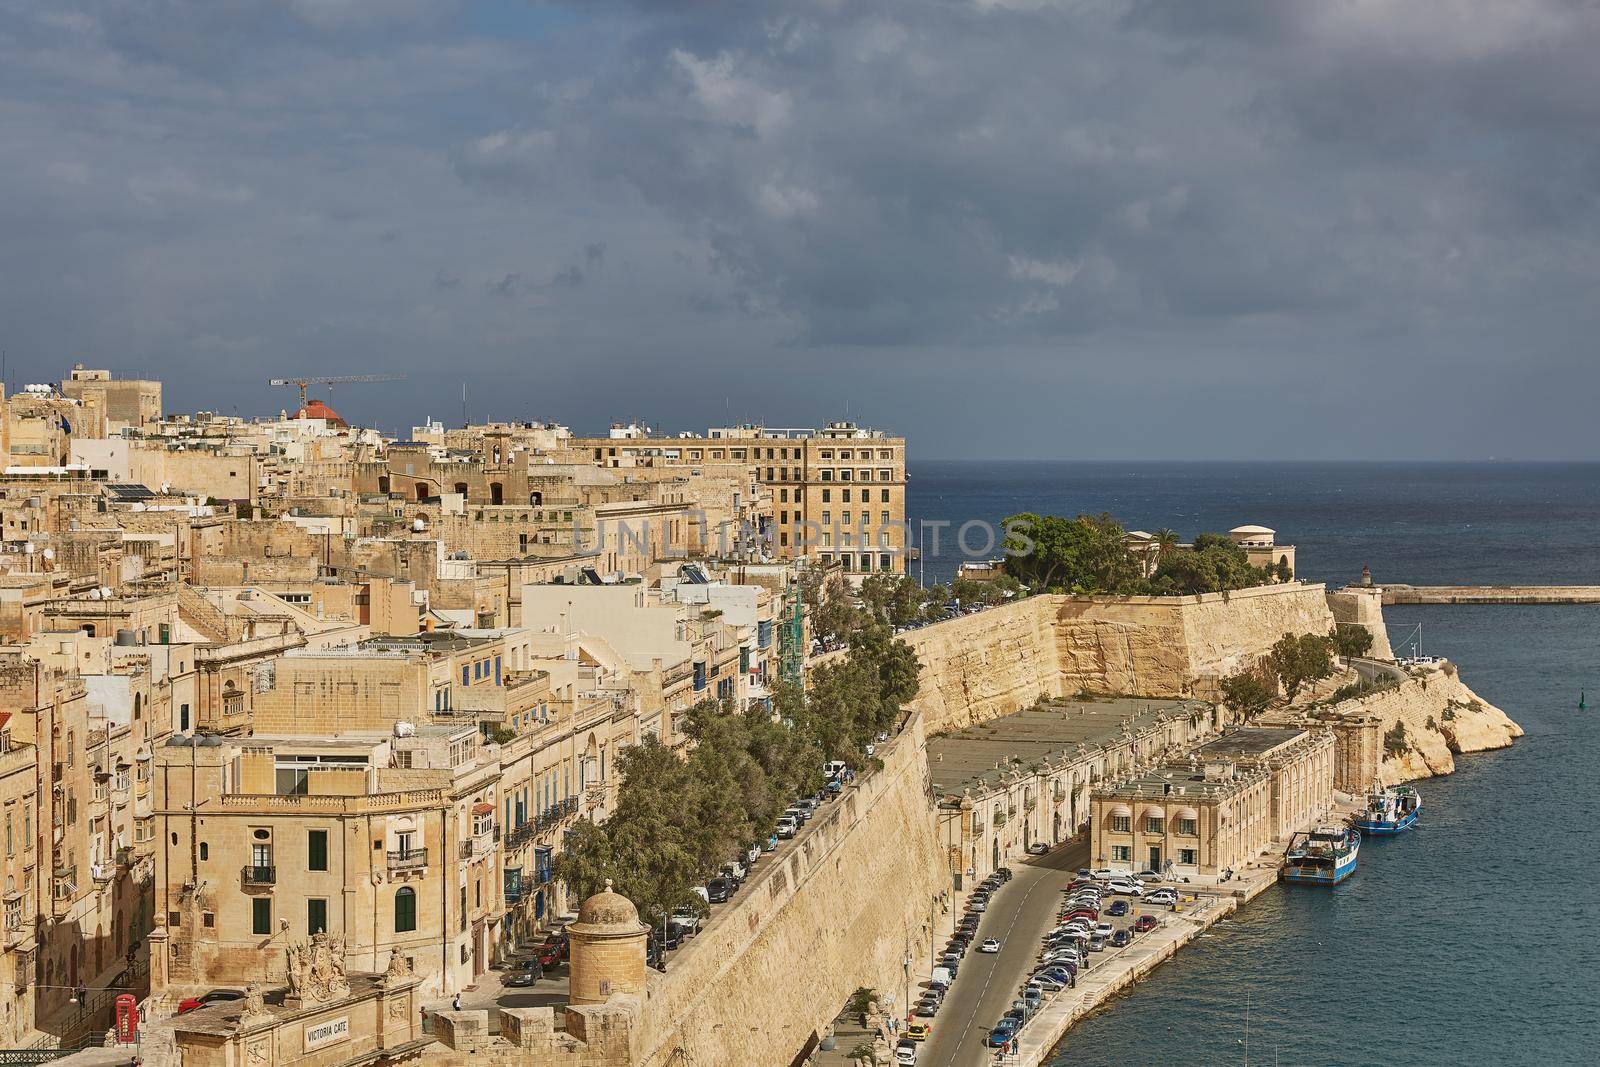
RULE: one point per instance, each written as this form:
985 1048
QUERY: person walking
455 1002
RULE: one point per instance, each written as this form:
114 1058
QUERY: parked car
1097 943
205 1000
905 1055
734 873
1047 983
919 1031
752 855
926 1008
1003 1032
1121 939
1118 907
549 955
1032 996
526 975
1161 896
1125 887
1004 873
1038 848
989 945
1148 876
787 826
668 937
687 920
718 890
977 904
1145 923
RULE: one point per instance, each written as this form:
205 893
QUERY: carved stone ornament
255 1007
316 969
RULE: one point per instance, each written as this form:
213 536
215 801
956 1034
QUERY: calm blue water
1472 940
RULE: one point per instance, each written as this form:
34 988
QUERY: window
183 718
1122 824
1187 827
205 851
1154 824
405 910
261 915
316 916
1122 853
317 849
1188 857
883 495
466 675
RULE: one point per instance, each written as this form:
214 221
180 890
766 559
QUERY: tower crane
342 379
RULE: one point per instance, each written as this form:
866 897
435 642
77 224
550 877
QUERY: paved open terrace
1049 733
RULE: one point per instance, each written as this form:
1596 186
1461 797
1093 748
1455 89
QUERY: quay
1491 594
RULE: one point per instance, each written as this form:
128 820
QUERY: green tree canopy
1300 659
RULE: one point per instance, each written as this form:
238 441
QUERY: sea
1474 939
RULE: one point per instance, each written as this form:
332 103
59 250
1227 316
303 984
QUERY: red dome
316 409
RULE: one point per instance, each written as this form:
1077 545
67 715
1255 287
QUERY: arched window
405 910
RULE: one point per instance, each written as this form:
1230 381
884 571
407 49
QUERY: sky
1144 229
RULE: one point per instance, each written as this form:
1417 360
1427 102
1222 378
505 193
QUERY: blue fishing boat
1325 856
1389 811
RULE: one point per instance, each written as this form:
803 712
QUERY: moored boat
1389 811
1325 856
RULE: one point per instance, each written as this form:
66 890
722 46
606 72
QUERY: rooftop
1038 735
1251 742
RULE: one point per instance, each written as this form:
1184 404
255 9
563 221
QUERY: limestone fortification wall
1362 606
1442 718
995 662
777 966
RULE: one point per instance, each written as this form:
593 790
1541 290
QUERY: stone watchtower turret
608 948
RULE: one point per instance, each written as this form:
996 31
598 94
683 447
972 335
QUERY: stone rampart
837 914
992 663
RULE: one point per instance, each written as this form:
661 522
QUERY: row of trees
681 815
893 600
1092 554
1294 661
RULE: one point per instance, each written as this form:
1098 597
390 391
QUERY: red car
1081 913
205 1000
1144 924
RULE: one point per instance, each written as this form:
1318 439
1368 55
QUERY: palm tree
1166 542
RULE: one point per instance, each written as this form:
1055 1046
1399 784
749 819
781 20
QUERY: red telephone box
127 1018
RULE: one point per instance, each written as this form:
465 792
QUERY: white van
833 768
940 977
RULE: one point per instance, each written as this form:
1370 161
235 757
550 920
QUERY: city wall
996 662
839 913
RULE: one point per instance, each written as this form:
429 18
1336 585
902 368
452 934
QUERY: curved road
1019 913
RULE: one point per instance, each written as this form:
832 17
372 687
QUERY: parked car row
948 964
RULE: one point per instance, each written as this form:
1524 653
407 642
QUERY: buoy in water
1582 704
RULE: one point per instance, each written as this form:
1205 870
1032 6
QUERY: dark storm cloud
1235 222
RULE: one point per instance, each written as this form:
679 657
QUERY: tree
1248 692
1166 542
1350 640
1302 659
1214 563
1088 554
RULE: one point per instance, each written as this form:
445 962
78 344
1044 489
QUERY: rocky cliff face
1428 720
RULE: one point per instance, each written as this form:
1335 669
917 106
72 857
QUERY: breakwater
1491 594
